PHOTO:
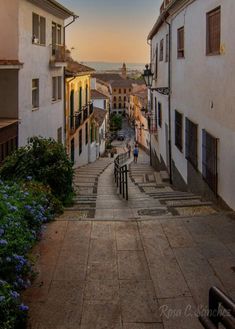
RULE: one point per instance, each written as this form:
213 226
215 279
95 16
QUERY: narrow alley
116 264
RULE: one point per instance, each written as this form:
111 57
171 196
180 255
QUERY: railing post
123 181
126 179
120 180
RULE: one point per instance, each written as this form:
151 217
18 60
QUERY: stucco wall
50 116
9 31
200 81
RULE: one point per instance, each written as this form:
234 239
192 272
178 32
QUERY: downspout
64 78
169 101
149 42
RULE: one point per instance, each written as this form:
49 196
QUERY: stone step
180 197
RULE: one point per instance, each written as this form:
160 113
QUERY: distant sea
108 66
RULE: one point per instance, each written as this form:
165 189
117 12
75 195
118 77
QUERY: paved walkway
123 269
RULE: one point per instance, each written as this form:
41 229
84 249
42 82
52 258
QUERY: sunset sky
111 30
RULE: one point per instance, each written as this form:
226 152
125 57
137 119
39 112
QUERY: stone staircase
156 185
85 187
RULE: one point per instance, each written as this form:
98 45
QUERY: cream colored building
81 127
31 67
197 134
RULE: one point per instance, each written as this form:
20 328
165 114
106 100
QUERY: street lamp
148 76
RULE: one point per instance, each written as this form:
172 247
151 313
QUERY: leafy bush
115 122
43 160
23 210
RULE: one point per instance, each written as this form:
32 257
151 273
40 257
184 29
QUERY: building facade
192 54
81 130
32 65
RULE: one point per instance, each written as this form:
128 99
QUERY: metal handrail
121 173
218 299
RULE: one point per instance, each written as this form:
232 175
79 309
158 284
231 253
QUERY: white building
194 39
33 36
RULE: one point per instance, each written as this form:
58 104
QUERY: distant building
31 71
196 121
81 134
101 115
120 89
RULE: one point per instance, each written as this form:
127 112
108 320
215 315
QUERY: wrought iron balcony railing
58 54
76 121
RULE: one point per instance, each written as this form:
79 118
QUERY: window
120 91
180 44
114 90
178 130
129 90
56 34
56 88
159 114
156 62
213 32
39 30
167 47
72 150
105 104
114 105
155 110
86 132
161 50
80 141
209 160
35 93
191 142
119 105
59 135
114 98
124 91
120 98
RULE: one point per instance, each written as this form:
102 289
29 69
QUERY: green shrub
24 208
115 122
43 160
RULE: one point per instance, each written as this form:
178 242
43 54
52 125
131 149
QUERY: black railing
85 112
121 174
221 311
75 121
91 108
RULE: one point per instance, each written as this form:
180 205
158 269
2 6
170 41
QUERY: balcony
91 108
75 122
85 112
58 58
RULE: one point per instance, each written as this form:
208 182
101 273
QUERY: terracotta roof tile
95 94
74 67
99 115
9 62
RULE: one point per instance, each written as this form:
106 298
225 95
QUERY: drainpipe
169 100
149 42
64 78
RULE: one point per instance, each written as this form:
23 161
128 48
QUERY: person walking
129 150
136 153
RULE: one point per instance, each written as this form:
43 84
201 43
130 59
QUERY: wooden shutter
178 130
181 42
42 30
213 31
35 26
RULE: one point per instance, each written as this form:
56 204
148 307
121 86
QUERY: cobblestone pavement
123 269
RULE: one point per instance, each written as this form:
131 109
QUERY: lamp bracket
162 90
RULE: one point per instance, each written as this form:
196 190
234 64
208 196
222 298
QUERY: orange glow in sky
111 31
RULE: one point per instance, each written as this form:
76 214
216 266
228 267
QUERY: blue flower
1 231
28 207
14 294
3 242
2 298
8 259
29 177
23 307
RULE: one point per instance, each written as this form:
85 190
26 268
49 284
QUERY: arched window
114 98
119 98
124 98
114 105
124 91
120 91
120 106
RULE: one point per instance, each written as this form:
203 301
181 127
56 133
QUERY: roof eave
54 7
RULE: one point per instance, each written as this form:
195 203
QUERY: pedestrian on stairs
136 153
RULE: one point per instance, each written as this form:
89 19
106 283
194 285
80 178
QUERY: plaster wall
9 29
202 88
49 117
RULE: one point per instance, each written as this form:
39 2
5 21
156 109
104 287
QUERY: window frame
161 50
35 88
191 146
209 51
167 48
179 130
56 88
38 22
181 47
159 111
